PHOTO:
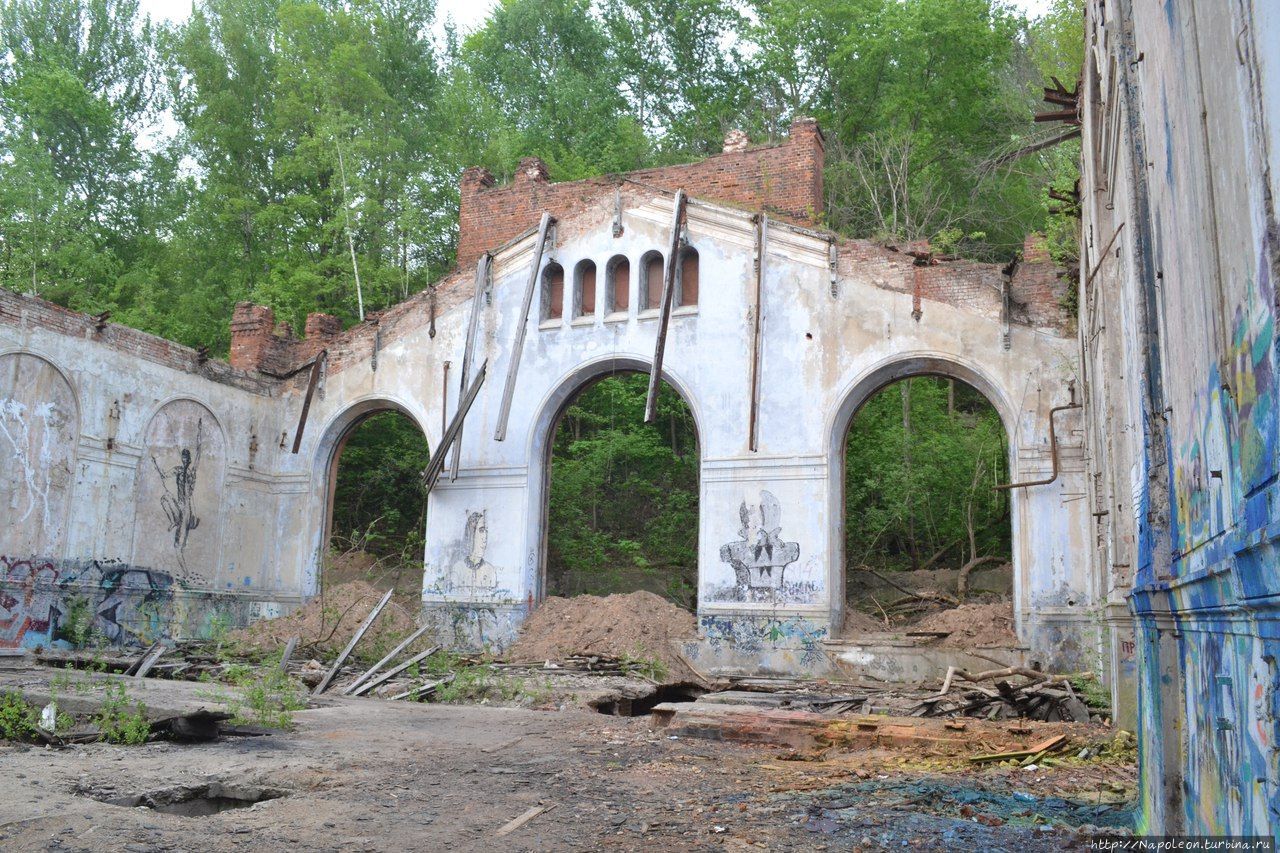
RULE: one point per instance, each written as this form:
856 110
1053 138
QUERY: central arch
861 390
542 437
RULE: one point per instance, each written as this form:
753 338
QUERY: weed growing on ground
76 625
650 668
117 722
1091 690
269 697
18 720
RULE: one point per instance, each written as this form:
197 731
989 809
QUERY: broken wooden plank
369 685
368 673
355 638
137 662
150 660
473 325
436 465
664 313
288 653
1019 754
513 825
522 328
425 688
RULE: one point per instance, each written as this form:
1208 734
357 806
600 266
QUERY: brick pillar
809 152
323 327
471 230
251 332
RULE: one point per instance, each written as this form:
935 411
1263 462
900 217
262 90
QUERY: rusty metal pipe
1053 452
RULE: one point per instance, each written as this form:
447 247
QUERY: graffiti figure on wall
760 557
179 502
473 573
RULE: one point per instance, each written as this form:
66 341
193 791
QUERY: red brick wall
27 312
785 179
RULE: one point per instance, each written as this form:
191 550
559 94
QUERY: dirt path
376 775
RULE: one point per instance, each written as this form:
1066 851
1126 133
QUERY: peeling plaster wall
101 508
1177 333
826 346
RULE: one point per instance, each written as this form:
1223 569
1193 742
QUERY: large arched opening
619 497
375 514
924 543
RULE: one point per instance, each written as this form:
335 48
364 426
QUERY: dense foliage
921 458
624 494
305 154
379 504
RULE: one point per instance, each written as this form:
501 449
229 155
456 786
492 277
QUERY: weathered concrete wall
134 481
1177 331
828 343
183 472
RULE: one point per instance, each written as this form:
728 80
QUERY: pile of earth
973 625
639 625
327 622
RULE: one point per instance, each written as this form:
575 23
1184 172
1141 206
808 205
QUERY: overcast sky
465 13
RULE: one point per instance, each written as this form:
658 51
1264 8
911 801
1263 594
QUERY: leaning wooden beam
364 626
522 327
316 367
664 318
757 310
436 465
386 676
482 287
150 660
371 671
288 653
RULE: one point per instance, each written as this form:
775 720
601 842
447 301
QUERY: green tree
921 458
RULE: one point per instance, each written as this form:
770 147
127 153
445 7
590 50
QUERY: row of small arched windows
616 296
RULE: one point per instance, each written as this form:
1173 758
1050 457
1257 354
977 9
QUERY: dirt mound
325 624
638 624
856 622
973 625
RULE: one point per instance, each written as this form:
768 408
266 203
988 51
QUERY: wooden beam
473 325
392 673
664 316
522 327
436 465
355 638
757 309
316 365
368 673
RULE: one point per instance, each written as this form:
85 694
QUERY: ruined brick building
173 492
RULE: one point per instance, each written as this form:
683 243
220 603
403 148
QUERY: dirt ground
367 774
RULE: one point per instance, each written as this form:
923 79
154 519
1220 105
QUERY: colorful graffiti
753 634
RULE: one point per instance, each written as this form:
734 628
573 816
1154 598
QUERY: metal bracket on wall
522 328
664 318
317 365
473 325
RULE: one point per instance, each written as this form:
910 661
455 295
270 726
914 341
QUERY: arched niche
180 501
39 431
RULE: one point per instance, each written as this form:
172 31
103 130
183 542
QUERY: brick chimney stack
252 328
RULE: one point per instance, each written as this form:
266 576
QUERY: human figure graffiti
179 503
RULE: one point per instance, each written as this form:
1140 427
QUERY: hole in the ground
198 800
639 706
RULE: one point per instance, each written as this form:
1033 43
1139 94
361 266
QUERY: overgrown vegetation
921 458
624 494
117 720
18 720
